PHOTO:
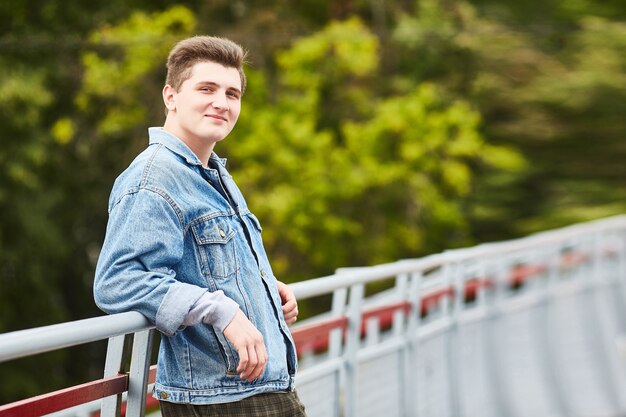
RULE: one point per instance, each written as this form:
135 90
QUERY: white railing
529 327
524 327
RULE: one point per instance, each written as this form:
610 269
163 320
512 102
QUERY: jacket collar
158 135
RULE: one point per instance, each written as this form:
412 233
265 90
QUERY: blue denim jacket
171 237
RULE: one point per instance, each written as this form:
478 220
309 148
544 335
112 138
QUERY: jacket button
163 395
263 273
222 233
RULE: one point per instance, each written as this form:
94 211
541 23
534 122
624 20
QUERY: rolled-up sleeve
144 240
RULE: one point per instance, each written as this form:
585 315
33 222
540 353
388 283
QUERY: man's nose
220 102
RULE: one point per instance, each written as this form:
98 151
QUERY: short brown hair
188 52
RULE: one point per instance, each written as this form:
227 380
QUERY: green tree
548 81
31 242
342 175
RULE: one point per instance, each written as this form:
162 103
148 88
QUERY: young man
183 249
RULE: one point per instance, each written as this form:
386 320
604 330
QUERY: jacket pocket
231 358
215 239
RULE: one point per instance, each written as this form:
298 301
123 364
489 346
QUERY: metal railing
524 327
529 327
116 381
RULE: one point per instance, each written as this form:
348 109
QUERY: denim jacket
176 231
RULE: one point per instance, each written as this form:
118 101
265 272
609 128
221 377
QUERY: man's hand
249 344
290 305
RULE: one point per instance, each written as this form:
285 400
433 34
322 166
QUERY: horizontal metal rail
326 285
30 342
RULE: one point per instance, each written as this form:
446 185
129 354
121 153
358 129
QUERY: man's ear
169 95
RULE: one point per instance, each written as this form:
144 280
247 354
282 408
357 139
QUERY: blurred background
371 130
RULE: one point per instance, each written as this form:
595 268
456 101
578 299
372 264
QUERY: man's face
207 105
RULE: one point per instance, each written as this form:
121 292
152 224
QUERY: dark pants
281 404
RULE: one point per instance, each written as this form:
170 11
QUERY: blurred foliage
548 82
371 131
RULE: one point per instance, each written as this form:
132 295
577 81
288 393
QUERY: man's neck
202 149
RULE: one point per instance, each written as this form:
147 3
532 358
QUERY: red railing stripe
385 313
522 273
573 258
151 402
152 374
65 398
474 285
432 298
313 336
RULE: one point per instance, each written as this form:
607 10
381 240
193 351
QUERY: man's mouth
215 116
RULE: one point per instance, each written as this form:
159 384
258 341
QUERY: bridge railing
529 327
523 327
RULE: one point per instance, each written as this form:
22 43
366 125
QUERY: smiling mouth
213 116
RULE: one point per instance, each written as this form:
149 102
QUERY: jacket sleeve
144 240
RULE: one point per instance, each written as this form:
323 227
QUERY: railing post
400 316
338 308
411 350
114 364
621 267
139 369
335 346
352 347
495 367
546 326
454 279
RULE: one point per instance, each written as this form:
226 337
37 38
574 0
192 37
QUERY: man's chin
216 136
217 139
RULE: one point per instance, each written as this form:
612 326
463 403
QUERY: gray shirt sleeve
213 308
